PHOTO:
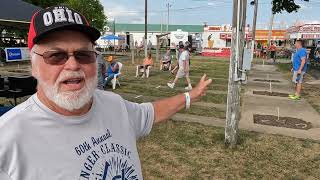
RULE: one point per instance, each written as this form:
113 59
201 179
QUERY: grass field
177 150
184 150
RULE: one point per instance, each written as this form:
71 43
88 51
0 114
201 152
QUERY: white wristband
187 100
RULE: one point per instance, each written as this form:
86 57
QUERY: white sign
310 36
17 54
310 28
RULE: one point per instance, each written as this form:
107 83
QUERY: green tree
92 10
278 6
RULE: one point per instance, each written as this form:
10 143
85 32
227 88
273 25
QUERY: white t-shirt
184 56
36 143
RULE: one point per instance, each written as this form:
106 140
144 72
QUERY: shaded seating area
13 87
19 18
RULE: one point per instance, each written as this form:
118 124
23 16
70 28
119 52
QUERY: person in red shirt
273 50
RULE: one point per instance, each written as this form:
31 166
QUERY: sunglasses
58 57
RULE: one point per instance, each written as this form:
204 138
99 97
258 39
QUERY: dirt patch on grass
287 122
267 93
266 80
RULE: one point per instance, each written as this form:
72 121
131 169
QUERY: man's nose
72 63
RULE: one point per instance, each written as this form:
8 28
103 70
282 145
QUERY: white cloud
126 13
137 21
122 12
303 7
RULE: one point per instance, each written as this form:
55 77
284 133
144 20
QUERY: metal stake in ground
270 88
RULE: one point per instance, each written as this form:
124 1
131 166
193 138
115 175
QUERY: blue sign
14 54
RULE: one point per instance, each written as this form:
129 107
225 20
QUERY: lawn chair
167 66
141 70
3 90
21 86
115 79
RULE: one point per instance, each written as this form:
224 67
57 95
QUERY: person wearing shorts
299 69
183 70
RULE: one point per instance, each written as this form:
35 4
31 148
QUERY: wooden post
234 84
145 28
132 55
158 50
158 46
270 33
254 25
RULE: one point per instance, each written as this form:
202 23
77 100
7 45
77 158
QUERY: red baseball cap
57 18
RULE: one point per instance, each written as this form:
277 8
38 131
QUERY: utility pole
168 5
145 28
254 25
114 33
161 22
168 21
270 26
234 83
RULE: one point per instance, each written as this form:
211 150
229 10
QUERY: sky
213 12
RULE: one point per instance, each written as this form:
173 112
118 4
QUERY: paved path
271 105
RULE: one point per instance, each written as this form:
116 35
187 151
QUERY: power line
180 9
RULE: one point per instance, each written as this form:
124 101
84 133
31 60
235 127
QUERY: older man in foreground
69 129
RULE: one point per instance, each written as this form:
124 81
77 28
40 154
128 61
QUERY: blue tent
112 37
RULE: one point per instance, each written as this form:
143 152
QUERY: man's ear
34 69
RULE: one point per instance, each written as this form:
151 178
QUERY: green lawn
178 150
182 150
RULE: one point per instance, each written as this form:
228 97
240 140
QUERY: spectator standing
299 69
273 50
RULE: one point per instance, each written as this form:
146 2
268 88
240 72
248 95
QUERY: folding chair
115 79
141 70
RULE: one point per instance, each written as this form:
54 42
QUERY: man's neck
54 107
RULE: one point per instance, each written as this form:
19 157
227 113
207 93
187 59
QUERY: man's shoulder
107 96
13 119
21 108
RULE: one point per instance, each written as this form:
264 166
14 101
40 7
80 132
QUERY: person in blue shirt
101 71
299 68
112 69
